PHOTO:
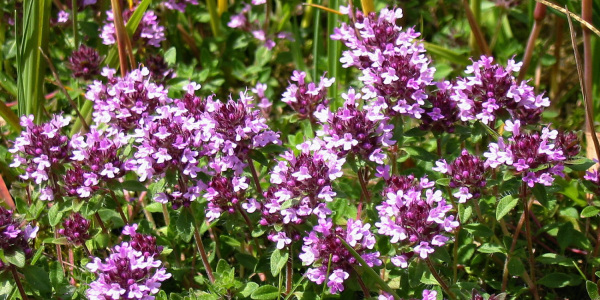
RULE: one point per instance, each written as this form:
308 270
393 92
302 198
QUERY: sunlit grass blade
123 44
367 6
31 67
215 20
9 116
112 59
317 40
446 53
333 48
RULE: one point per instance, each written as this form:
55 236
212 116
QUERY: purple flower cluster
492 90
224 195
76 229
159 69
179 5
123 102
265 104
96 158
426 295
130 272
148 30
323 249
242 22
85 62
467 173
537 157
12 237
236 128
415 213
41 149
301 184
443 113
395 70
306 98
360 131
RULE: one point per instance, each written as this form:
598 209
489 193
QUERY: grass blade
448 54
31 67
333 58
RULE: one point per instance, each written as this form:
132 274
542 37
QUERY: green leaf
54 215
278 261
477 229
491 248
185 225
515 267
590 211
38 279
154 207
505 205
443 181
555 259
580 163
265 292
16 258
230 241
558 280
592 290
259 157
249 288
171 56
133 185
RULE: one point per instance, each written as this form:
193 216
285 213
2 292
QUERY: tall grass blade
446 53
367 6
31 67
317 40
333 58
9 116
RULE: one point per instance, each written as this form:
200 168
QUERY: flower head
305 98
467 172
85 62
130 272
414 213
76 229
13 237
492 91
323 248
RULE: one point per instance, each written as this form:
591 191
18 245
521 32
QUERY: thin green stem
74 22
529 246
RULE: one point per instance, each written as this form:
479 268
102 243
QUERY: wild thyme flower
395 70
41 149
179 5
13 237
492 90
238 128
415 213
123 102
356 130
224 195
323 248
301 185
443 113
568 142
264 104
85 62
159 69
148 30
426 295
142 242
306 98
128 273
242 21
467 173
535 156
96 158
76 229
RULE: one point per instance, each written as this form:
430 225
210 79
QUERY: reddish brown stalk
5 196
13 270
59 252
529 244
255 176
512 247
121 34
439 279
289 274
203 255
538 16
119 209
479 38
